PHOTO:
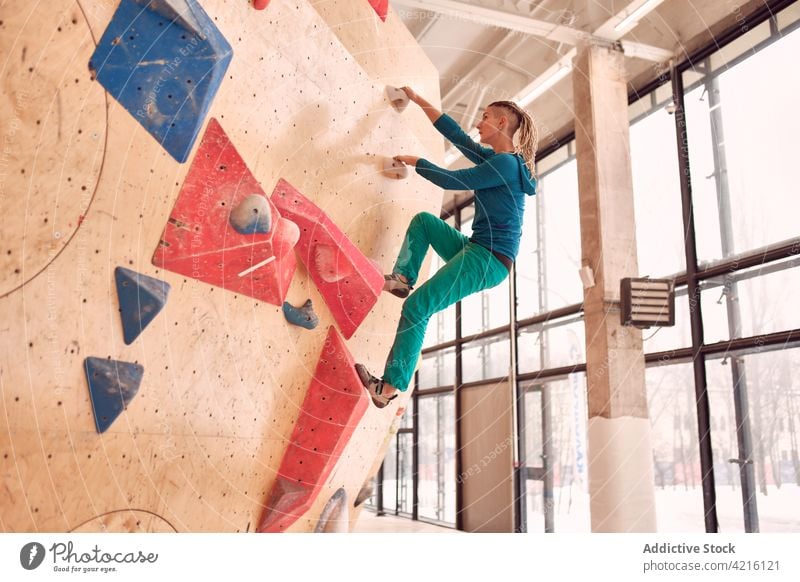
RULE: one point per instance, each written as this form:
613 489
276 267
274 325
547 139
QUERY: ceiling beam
427 28
491 17
547 30
497 54
626 19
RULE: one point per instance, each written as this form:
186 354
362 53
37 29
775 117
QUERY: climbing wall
164 397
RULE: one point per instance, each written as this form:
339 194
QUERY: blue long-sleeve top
500 182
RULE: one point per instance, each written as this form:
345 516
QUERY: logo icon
31 555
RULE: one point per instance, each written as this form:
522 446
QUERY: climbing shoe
374 387
396 286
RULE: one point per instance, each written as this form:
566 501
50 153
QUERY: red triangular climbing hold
333 406
381 7
199 240
348 281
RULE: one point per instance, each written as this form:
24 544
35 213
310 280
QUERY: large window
486 359
657 194
437 470
752 302
550 250
437 369
768 383
556 457
552 344
740 114
743 130
397 475
676 462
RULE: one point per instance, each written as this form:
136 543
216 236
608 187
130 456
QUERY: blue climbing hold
141 298
302 316
163 60
252 215
112 386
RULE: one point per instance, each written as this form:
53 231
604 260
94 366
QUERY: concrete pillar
621 484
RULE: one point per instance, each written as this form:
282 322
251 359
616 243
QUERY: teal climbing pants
468 268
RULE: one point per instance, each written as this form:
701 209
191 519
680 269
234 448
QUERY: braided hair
528 134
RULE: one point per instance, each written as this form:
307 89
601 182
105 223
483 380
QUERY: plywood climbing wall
86 187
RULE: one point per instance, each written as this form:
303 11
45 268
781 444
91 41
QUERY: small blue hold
252 216
302 316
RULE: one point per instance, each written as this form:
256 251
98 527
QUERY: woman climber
502 177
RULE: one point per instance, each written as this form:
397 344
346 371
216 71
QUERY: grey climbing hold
301 316
178 11
252 216
335 518
394 169
397 97
365 493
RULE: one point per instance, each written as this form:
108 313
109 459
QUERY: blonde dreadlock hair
528 134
